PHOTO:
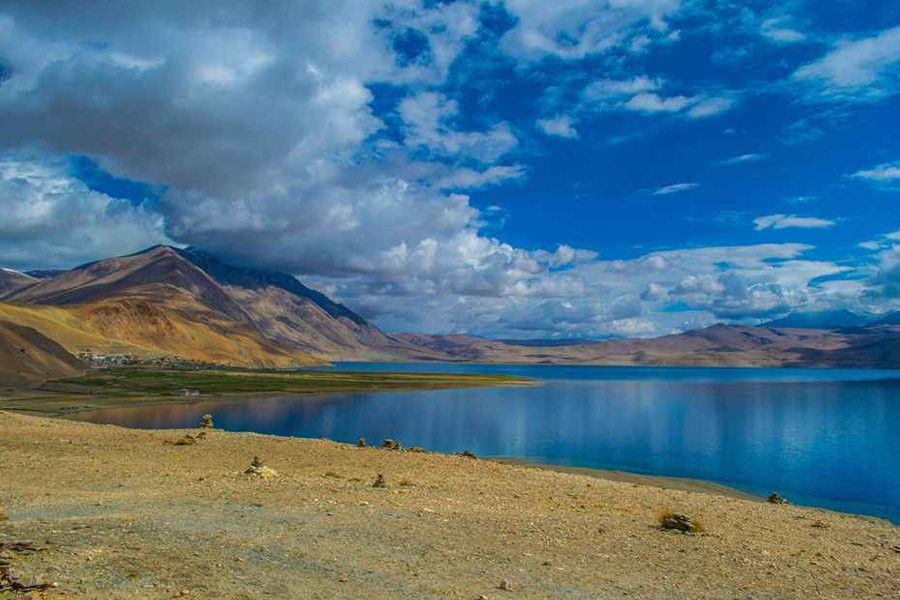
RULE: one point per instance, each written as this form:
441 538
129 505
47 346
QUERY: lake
822 437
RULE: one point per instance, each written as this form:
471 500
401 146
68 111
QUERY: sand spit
120 513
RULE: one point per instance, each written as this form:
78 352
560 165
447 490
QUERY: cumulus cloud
50 219
561 126
789 221
259 125
863 69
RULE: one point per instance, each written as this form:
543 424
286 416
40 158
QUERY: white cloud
573 29
778 31
883 173
743 158
51 219
653 103
427 116
674 188
260 125
704 107
863 69
604 89
464 178
561 126
791 221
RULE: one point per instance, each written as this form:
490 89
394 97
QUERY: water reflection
818 441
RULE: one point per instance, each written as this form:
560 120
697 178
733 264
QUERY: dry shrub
670 520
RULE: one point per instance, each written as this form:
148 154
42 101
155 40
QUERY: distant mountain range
187 303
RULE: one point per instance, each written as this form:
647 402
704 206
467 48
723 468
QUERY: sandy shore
121 513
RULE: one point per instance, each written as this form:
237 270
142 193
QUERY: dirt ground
120 513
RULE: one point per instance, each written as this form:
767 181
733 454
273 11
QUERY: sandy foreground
121 513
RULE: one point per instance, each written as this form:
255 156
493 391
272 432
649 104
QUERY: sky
518 169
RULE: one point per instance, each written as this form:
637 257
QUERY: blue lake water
827 438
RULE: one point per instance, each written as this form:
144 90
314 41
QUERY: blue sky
514 169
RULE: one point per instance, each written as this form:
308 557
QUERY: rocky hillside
27 356
11 281
154 303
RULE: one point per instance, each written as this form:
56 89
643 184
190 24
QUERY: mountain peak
249 277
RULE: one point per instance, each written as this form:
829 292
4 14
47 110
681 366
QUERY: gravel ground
120 513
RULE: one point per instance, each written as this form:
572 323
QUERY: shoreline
127 513
123 387
686 484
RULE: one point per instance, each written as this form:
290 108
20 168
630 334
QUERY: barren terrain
119 513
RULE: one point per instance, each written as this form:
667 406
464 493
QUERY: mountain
719 345
167 301
153 303
11 281
291 314
826 319
27 356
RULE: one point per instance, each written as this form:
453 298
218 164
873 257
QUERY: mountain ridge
189 303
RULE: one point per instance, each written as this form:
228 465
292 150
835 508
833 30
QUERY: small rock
506 585
186 440
466 454
258 469
390 444
206 421
416 449
775 498
361 443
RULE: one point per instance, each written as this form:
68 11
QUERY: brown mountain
719 345
154 303
27 356
11 281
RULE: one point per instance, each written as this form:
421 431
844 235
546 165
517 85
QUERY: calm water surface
828 438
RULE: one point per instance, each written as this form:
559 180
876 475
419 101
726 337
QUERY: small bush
379 482
206 421
390 444
679 522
